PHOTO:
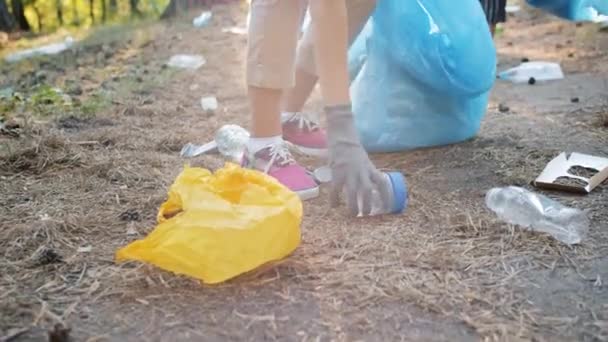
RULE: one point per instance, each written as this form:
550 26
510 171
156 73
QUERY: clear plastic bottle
539 213
393 181
397 188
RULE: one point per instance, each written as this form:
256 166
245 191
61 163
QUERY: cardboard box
560 166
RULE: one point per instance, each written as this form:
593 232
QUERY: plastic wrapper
426 74
574 10
216 226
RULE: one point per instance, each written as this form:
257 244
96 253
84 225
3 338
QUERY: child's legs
495 11
358 12
273 35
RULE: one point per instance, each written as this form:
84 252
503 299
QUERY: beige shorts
274 46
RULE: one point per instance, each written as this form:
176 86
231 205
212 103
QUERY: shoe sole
308 194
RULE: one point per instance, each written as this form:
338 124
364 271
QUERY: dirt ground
77 187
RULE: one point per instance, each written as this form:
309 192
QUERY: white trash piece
235 30
537 70
512 8
209 103
192 62
203 19
536 212
322 174
50 49
230 141
191 150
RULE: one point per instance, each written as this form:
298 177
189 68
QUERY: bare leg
358 12
272 40
265 107
296 97
330 27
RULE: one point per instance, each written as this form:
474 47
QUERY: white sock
285 116
256 144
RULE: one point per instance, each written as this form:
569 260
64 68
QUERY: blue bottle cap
399 186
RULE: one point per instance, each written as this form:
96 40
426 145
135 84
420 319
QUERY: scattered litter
203 19
194 87
130 215
50 49
85 249
503 108
45 256
536 212
512 8
60 333
217 226
6 93
209 104
235 30
322 174
395 185
191 150
230 141
576 172
532 72
131 231
187 61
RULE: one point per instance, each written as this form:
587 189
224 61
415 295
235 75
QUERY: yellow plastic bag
214 227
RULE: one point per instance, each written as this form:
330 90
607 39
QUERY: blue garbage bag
574 10
426 74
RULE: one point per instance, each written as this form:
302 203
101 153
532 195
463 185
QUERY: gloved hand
350 166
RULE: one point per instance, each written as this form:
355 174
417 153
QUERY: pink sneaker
276 161
305 134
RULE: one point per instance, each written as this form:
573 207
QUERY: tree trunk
59 7
75 18
171 10
104 14
19 14
7 22
133 6
91 11
113 7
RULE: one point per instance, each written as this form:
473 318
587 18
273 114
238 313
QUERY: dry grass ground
75 188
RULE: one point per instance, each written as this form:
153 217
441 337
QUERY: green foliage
47 16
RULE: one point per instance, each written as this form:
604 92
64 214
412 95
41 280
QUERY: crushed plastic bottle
538 213
202 20
539 71
230 141
49 49
397 188
187 61
574 10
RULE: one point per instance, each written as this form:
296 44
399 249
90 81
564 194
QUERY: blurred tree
7 22
133 6
113 7
19 13
171 10
75 17
59 8
91 10
104 15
